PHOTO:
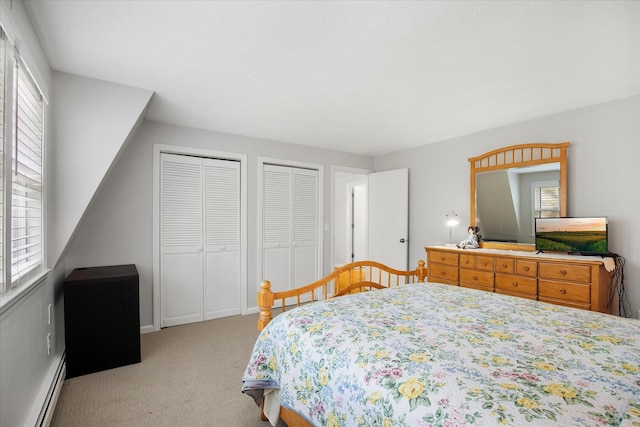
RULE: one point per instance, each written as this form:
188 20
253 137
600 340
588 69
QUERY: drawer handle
504 265
466 261
475 277
484 263
563 272
526 269
514 284
562 291
443 273
441 258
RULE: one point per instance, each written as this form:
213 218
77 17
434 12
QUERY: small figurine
471 242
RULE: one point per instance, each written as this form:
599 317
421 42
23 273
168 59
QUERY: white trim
17 39
18 293
174 149
146 329
50 403
296 164
334 170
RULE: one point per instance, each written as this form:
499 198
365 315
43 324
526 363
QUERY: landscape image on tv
582 235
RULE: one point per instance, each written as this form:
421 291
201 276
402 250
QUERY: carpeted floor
190 375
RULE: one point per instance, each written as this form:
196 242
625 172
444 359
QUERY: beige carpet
190 375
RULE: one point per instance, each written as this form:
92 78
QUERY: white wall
603 177
26 370
92 120
117 228
87 124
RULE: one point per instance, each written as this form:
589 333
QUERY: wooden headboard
359 276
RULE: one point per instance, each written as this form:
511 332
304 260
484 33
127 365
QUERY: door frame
334 170
158 149
293 164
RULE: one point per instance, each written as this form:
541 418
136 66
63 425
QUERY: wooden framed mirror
512 185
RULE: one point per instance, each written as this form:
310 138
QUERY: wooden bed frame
354 277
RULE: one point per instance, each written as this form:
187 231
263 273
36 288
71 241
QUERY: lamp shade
452 218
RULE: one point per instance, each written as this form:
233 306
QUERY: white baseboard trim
49 406
146 329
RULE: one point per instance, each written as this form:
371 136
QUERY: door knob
401 240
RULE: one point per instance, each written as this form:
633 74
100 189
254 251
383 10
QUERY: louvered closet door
181 269
222 238
290 226
200 239
276 226
305 226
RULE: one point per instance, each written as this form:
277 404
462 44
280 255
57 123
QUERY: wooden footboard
359 276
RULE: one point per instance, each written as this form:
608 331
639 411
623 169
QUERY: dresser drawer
478 287
446 272
575 273
475 277
516 294
527 268
443 258
574 292
525 285
484 263
505 265
468 261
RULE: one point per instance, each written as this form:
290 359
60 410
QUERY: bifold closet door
221 238
199 238
290 226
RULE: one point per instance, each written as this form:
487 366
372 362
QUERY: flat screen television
584 236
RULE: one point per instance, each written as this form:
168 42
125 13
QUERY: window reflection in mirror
508 200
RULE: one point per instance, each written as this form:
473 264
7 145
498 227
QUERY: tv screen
586 236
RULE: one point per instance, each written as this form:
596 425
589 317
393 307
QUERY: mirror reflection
508 200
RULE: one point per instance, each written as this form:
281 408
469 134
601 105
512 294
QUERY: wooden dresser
347 278
575 281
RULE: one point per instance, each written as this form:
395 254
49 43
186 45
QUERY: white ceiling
367 77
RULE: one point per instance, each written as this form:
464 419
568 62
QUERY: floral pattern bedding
439 355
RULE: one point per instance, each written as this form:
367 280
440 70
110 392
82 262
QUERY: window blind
26 200
547 202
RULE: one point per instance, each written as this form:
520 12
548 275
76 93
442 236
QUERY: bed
427 354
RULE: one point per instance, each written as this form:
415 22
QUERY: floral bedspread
439 355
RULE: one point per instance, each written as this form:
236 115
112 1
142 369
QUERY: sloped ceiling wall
92 121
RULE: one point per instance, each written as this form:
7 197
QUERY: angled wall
92 120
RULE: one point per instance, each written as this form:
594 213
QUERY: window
546 201
22 135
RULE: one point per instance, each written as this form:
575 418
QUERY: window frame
15 69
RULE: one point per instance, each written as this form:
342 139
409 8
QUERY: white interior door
180 240
359 223
290 221
221 238
276 226
389 218
200 251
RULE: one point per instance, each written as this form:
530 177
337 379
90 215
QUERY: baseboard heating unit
49 406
